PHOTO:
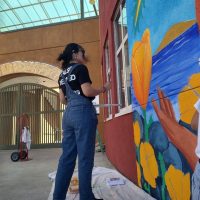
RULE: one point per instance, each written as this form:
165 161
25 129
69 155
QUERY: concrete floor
28 180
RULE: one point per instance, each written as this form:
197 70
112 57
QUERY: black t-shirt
77 77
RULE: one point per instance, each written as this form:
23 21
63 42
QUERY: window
107 66
122 58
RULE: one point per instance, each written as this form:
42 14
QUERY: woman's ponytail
66 55
60 57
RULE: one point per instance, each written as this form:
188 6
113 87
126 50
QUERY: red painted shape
198 12
120 147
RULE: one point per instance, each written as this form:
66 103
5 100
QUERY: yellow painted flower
138 174
141 62
178 184
149 163
136 132
92 2
188 97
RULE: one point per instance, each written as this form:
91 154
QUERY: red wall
118 132
120 148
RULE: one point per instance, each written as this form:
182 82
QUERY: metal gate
42 108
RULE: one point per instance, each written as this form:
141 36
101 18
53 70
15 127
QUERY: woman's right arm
89 91
62 97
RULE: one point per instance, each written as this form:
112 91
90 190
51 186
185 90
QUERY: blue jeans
79 134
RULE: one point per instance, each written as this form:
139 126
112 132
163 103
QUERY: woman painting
79 123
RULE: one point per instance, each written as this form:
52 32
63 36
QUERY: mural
164 49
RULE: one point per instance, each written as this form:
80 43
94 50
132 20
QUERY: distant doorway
43 112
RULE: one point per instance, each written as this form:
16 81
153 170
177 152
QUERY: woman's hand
89 91
107 86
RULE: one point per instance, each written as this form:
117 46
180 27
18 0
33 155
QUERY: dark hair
66 55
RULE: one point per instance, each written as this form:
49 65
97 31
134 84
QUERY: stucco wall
45 43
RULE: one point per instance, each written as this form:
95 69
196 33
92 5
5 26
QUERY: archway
34 72
29 87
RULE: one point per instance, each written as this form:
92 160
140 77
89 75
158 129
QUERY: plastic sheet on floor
108 184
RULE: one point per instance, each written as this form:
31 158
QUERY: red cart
22 152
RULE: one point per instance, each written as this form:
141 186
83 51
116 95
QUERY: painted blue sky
158 16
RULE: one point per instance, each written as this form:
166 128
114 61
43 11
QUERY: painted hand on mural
181 137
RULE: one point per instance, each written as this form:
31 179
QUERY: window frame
107 74
120 48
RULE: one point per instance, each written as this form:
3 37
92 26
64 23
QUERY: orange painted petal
186 186
138 56
137 86
135 47
138 174
146 36
147 69
141 68
139 59
177 182
138 70
149 163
